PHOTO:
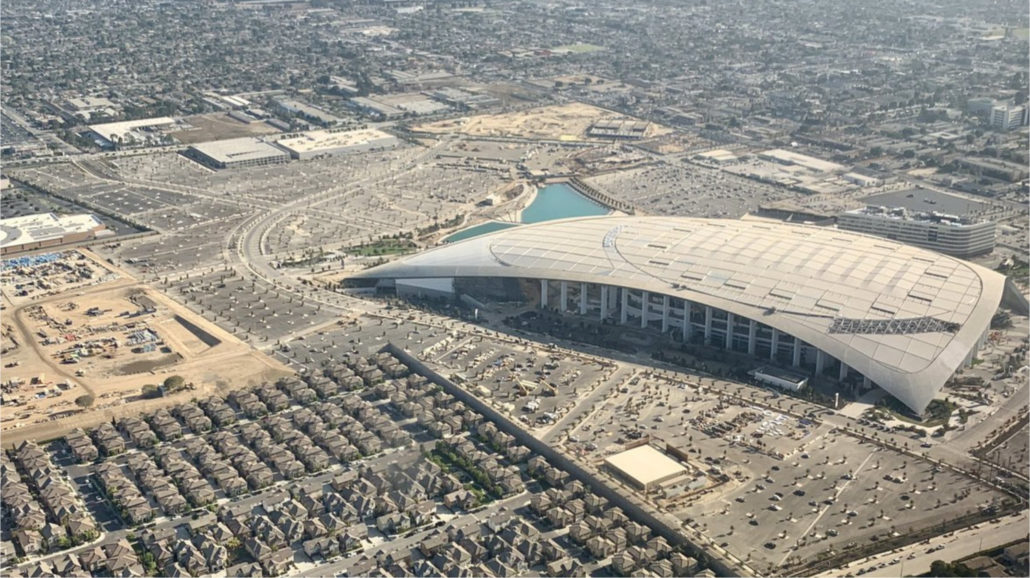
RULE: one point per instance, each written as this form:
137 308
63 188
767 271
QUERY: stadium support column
665 313
582 298
752 337
843 372
624 309
688 328
730 321
820 361
564 305
708 325
645 299
796 361
775 343
604 302
543 293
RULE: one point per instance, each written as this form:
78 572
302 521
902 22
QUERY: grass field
384 247
579 48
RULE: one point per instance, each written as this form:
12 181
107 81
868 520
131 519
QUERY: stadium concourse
837 304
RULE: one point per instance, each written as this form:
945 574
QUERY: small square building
644 468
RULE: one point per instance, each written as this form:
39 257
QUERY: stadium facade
838 304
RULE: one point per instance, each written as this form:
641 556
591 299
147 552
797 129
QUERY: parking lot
800 488
689 190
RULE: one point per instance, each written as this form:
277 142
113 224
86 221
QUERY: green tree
942 568
174 383
84 401
150 391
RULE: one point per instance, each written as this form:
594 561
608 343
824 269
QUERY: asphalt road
915 559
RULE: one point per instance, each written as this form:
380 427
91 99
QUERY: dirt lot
108 340
219 126
562 122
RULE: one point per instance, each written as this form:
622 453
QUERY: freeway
915 559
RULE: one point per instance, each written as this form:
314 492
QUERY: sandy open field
219 126
560 122
108 340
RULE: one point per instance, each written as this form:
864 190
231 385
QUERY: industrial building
132 132
321 143
791 158
618 129
644 468
856 309
31 232
375 108
307 112
236 153
948 234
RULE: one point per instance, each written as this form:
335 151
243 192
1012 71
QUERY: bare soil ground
560 122
41 383
220 126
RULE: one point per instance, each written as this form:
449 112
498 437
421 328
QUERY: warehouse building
237 153
31 232
323 143
133 133
856 309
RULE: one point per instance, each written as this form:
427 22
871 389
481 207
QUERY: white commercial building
789 380
318 143
1007 117
947 234
236 153
133 132
827 302
19 234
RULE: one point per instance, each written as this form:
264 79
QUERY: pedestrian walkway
856 408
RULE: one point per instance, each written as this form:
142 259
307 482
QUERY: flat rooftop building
306 111
948 234
792 158
376 108
30 232
644 467
236 153
789 380
318 143
127 132
618 129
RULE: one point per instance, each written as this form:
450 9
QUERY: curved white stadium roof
801 280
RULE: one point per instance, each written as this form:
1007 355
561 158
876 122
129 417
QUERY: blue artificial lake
557 201
477 230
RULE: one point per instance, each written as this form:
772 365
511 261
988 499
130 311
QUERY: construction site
88 339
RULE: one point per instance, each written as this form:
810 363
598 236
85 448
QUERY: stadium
816 300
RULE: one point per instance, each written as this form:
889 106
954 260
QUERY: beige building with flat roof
644 467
